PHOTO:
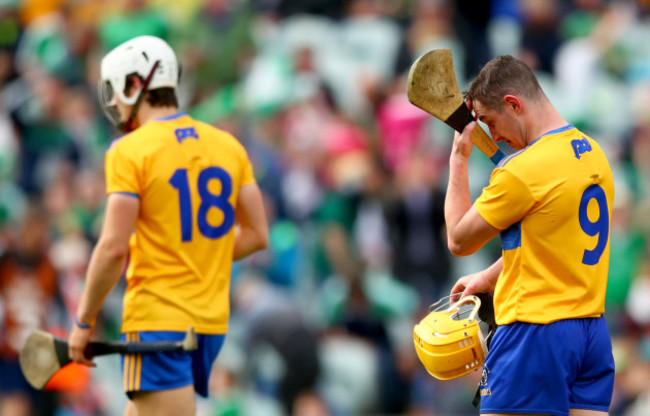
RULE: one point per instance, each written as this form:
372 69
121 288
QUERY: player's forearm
104 271
248 240
457 200
492 273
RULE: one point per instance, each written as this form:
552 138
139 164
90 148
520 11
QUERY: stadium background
353 177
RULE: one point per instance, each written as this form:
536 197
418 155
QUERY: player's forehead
481 111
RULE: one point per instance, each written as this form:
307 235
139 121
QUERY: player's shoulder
118 144
222 137
131 140
214 130
509 158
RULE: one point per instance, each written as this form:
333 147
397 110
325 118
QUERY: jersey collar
172 117
560 130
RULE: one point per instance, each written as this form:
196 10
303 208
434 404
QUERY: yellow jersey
187 176
553 200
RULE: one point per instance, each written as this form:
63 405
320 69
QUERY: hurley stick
44 354
432 86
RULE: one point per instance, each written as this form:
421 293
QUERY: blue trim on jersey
133 194
511 237
509 157
172 117
560 130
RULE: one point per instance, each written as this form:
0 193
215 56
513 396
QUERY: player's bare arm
467 231
483 281
251 231
104 270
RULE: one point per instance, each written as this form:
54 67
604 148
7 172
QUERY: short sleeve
505 200
248 176
121 173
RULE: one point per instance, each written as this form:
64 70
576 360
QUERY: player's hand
77 342
470 285
462 143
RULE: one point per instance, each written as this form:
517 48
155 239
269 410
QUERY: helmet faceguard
107 102
449 342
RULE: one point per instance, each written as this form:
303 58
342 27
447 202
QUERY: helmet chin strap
128 125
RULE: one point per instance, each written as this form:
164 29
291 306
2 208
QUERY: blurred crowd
353 177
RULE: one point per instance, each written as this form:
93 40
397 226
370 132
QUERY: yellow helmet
448 345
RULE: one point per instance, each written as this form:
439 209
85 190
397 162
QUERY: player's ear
513 102
133 84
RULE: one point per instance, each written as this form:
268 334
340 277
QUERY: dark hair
501 76
160 97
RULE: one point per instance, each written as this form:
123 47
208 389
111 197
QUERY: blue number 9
599 228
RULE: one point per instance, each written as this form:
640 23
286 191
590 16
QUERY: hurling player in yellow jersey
551 203
182 204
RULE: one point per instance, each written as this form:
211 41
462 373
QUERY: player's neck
147 113
545 119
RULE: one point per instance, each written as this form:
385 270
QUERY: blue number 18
208 200
598 228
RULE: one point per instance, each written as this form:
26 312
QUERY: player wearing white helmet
148 59
187 190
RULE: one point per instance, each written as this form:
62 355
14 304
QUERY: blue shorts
12 379
169 370
548 369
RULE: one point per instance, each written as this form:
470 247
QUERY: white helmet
136 56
